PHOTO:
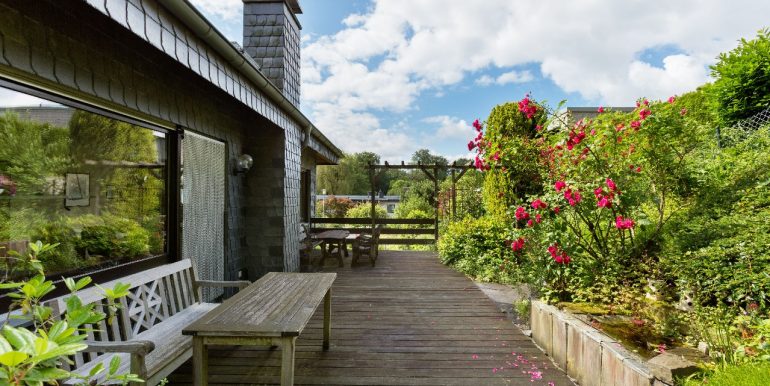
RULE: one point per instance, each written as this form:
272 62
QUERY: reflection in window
92 184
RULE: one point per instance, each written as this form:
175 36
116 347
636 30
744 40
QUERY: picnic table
272 311
333 244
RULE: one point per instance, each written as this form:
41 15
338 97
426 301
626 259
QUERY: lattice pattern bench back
155 295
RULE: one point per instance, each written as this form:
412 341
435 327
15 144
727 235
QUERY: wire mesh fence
740 131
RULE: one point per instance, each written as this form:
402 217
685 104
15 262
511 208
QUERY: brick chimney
271 34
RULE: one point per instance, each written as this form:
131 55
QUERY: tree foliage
742 85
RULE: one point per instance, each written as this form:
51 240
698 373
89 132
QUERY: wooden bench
272 311
147 329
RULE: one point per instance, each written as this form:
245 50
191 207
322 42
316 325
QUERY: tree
424 157
742 86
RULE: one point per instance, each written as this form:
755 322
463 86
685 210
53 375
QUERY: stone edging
587 355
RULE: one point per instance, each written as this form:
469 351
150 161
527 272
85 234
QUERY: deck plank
408 321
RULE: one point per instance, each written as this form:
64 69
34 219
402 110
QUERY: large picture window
93 184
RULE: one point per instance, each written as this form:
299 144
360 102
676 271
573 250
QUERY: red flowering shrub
607 239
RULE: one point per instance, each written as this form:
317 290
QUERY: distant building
53 115
578 113
389 203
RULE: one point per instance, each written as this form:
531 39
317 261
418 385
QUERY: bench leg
287 361
327 318
200 362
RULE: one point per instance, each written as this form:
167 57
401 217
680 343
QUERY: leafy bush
749 374
365 211
35 356
742 86
480 248
335 207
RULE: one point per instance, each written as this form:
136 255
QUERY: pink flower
611 184
671 99
539 204
644 113
530 223
527 108
471 145
559 185
638 169
521 213
593 131
600 110
518 244
598 192
477 125
636 125
496 156
558 255
538 218
538 127
623 223
604 202
556 209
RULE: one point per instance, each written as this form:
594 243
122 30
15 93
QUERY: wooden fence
416 227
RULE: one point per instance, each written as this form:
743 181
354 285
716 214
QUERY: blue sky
394 76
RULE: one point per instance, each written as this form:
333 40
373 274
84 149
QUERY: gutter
204 30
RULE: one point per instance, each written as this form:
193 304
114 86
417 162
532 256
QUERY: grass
749 374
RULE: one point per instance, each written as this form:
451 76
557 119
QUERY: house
577 113
186 143
388 203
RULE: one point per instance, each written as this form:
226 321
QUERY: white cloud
450 127
506 78
386 58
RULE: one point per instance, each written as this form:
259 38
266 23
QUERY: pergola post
371 180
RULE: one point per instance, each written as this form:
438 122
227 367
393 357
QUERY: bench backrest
155 295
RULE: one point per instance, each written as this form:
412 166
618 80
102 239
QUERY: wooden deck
408 321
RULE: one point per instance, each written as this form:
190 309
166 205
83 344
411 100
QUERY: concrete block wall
587 355
133 57
271 35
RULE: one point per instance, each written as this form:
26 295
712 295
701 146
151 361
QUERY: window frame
172 186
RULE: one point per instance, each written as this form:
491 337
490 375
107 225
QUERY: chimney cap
292 4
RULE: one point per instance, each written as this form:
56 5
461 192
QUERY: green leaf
67 349
13 358
17 338
4 345
114 364
96 370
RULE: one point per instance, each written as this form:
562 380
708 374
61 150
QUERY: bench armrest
241 284
141 347
137 348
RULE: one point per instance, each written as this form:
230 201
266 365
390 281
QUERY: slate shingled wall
135 58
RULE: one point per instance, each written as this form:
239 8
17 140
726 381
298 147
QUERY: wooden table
333 244
272 311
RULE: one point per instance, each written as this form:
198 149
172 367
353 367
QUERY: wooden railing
391 226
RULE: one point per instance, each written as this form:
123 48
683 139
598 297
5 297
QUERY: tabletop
278 304
332 235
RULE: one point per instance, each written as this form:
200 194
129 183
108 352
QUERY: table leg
287 361
340 248
324 253
200 362
327 318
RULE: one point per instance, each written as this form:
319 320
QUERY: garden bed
593 357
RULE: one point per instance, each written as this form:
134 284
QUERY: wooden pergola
431 171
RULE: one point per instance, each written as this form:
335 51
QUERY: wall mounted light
243 163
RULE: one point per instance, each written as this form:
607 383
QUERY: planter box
587 355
